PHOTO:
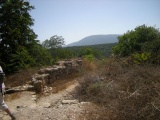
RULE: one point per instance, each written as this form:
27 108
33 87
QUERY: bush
89 57
143 43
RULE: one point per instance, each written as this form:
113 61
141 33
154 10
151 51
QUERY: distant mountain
96 39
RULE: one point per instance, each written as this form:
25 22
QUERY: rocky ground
61 105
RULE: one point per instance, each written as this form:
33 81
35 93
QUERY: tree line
19 48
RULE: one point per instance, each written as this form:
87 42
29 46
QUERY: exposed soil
57 105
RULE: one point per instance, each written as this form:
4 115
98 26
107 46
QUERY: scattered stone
13 90
84 103
70 101
30 88
46 105
33 96
34 99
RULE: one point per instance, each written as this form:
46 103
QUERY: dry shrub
94 112
88 65
127 92
20 78
142 103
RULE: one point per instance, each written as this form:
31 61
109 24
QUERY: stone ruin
50 74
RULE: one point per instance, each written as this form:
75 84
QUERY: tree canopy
143 43
17 39
54 42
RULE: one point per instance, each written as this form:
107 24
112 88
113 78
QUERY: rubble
60 70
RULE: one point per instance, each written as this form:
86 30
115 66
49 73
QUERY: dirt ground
60 105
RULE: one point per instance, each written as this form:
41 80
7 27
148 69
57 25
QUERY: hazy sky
76 19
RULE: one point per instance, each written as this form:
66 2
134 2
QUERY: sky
76 19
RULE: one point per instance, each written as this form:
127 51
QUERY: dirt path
58 106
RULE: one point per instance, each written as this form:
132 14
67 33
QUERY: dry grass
13 96
93 112
88 65
64 83
20 78
127 92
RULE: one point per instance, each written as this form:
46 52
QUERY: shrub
89 57
143 43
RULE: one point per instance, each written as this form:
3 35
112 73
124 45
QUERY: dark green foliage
16 36
101 50
60 53
20 60
41 56
18 47
143 43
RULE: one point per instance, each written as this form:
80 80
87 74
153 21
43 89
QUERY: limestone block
79 62
70 101
68 63
49 70
42 77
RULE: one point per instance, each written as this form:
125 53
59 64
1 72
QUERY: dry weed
20 78
13 96
127 92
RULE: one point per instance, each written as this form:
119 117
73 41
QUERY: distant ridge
96 39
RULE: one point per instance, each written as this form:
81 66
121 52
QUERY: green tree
143 43
62 53
41 56
54 42
15 30
20 60
90 51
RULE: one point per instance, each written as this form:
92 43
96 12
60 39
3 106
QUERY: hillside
96 39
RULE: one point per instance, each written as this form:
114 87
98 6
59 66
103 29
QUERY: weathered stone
41 71
29 87
62 68
49 70
42 77
34 99
68 63
12 90
70 102
46 105
79 62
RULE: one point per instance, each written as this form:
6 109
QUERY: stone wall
58 71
